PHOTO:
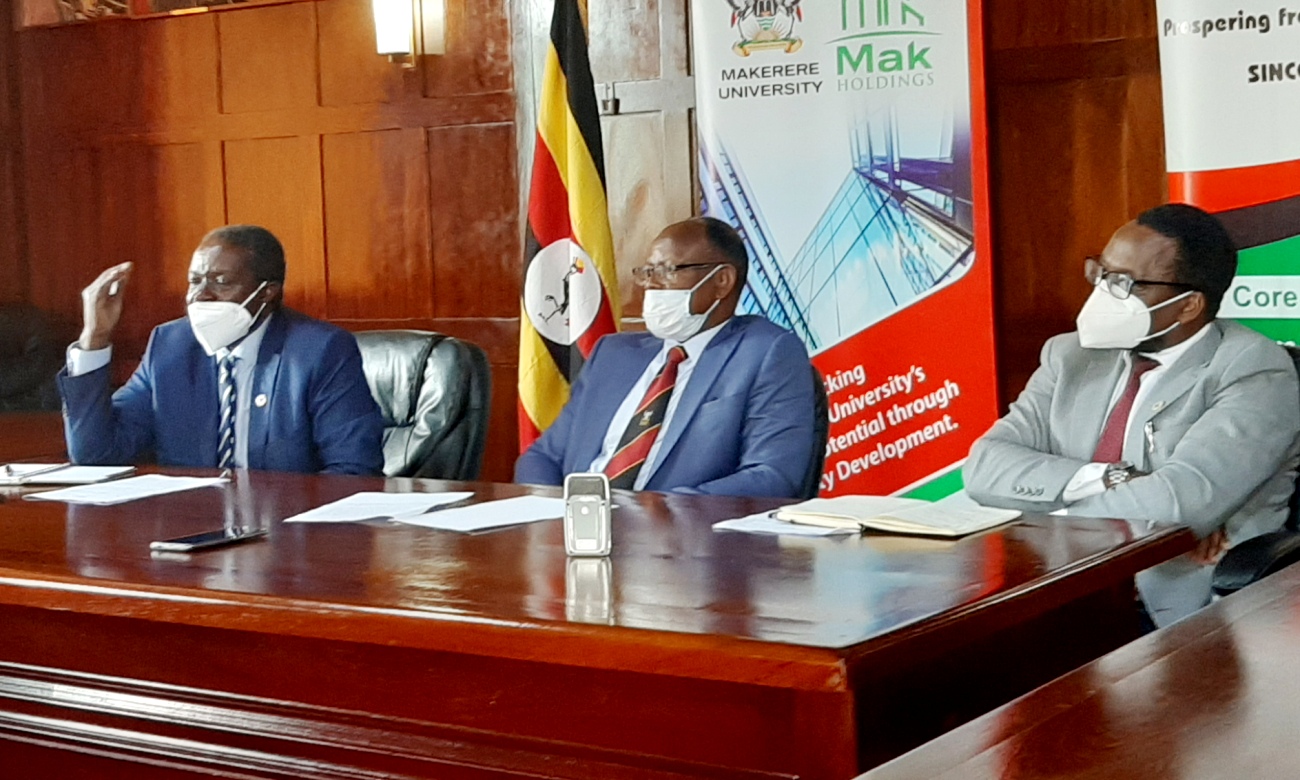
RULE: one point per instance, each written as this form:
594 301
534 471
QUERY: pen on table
457 504
37 472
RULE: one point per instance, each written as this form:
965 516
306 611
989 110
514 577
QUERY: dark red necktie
1110 447
643 428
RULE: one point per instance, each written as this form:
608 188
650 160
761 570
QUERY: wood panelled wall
396 192
1077 141
13 268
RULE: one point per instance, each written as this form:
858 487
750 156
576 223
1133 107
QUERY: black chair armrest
1255 559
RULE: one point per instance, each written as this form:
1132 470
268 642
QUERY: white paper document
59 474
491 514
765 523
123 490
377 506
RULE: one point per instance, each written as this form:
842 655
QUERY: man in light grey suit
1154 411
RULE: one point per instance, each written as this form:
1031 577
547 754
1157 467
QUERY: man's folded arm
104 428
1244 438
777 438
1011 466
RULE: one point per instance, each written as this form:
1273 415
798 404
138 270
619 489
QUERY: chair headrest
395 363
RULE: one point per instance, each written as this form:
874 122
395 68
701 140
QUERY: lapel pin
1158 406
260 400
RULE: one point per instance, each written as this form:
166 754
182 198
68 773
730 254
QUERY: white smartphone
207 540
586 514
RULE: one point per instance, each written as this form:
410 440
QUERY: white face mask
668 312
1107 322
218 324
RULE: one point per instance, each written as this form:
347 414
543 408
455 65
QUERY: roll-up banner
1231 75
845 140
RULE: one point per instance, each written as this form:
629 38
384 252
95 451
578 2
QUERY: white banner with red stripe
1231 78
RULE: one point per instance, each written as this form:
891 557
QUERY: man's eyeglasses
1120 284
645 275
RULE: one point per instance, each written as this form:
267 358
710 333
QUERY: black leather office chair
435 392
31 352
821 430
1255 559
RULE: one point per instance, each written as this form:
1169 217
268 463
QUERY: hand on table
1210 549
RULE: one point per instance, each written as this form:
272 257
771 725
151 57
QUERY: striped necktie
643 428
226 428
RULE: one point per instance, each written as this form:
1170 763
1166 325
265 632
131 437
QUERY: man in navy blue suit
706 402
240 382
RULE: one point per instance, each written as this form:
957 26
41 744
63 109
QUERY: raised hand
101 307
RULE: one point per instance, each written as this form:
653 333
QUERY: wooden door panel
476 242
268 58
377 224
275 183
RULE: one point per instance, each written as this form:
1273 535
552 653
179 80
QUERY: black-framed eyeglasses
645 275
1120 284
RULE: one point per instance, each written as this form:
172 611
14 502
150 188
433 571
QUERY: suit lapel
203 378
1097 386
1177 380
264 381
706 372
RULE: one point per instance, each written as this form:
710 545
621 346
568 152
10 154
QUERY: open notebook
897 515
59 474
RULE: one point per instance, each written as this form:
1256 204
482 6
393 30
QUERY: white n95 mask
668 314
218 324
1107 322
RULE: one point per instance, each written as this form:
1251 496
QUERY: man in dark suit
240 382
706 402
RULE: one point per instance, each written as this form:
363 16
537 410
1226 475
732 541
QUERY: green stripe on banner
1279 258
1284 331
937 488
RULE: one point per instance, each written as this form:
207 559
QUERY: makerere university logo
766 24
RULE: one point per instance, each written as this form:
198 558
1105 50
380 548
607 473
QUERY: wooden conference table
29 435
1214 696
381 650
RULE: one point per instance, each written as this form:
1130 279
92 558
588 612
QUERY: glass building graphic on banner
898 228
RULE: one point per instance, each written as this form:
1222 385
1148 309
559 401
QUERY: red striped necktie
642 430
1110 447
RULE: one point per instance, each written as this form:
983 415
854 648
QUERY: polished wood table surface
1214 696
29 435
384 650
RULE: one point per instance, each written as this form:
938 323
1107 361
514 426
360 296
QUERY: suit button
260 400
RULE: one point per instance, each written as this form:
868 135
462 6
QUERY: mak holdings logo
765 24
876 26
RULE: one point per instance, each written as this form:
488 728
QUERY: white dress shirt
84 361
695 346
1087 480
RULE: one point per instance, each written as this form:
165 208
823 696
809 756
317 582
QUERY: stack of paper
377 506
766 523
491 514
59 474
123 490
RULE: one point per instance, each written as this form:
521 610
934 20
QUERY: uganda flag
569 268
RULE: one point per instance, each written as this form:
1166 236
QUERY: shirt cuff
83 361
1085 483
